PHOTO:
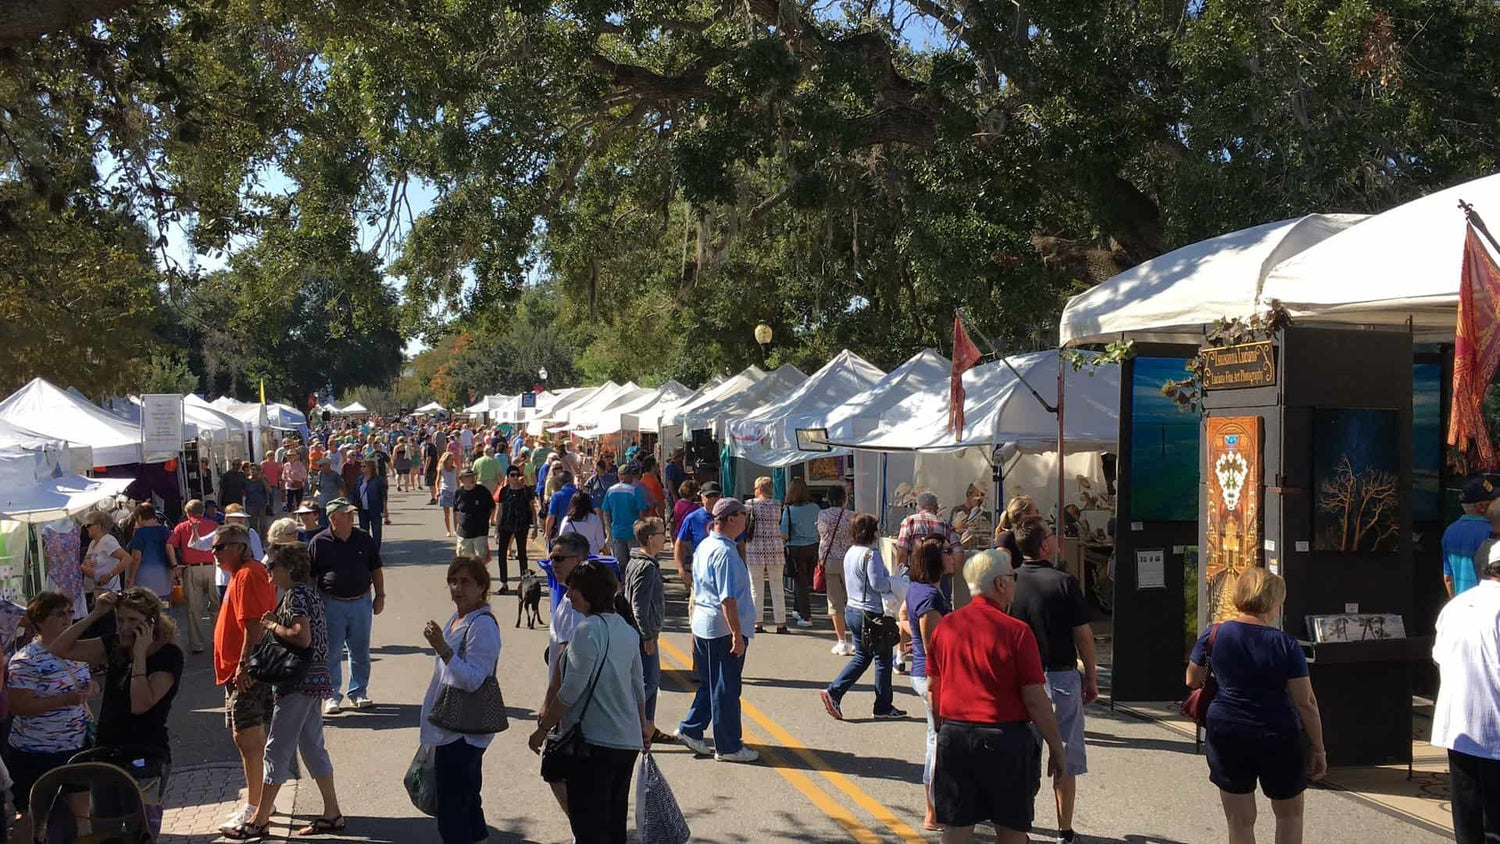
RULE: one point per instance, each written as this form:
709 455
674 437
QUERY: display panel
1427 441
1356 480
1163 445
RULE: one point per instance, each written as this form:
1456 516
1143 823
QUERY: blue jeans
371 522
458 768
718 699
651 674
349 624
854 620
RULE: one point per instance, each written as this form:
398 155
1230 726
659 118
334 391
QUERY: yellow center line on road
817 763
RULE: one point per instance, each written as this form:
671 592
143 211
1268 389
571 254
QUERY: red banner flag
965 355
1476 350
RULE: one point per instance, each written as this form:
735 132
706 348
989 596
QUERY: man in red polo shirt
986 689
190 550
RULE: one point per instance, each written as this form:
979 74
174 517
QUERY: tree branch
28 20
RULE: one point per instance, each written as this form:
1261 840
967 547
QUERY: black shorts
1238 757
986 773
26 768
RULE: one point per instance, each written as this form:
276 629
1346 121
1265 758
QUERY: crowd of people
1002 678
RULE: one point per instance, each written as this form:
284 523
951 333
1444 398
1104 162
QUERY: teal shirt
1460 542
623 504
800 524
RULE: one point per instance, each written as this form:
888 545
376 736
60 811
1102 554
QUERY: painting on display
1427 442
824 469
1233 475
1163 445
1356 627
1356 480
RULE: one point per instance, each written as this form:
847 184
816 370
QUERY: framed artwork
1163 445
1356 480
1355 627
1233 481
1427 441
824 469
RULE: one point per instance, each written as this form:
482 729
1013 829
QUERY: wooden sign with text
1239 367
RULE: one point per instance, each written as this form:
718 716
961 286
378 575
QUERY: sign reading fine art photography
1233 474
1238 367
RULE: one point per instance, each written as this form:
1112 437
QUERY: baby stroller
124 786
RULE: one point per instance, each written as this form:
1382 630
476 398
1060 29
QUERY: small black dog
530 600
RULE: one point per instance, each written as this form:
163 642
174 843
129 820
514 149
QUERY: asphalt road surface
817 779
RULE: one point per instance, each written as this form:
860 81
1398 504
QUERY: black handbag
566 751
276 662
479 712
879 632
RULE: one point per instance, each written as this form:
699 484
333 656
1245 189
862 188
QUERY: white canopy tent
904 391
612 419
35 488
73 458
48 410
768 435
1176 297
1000 410
1405 262
354 409
430 407
713 414
556 411
676 417
653 418
579 412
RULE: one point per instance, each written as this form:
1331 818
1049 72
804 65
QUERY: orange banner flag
1476 350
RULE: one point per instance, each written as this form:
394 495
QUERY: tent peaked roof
355 407
1001 410
768 435
616 417
1174 297
923 378
655 417
46 409
714 413
434 406
1404 262
736 383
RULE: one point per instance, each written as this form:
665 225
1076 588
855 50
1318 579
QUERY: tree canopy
665 174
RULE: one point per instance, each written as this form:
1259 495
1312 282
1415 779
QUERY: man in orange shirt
193 563
247 702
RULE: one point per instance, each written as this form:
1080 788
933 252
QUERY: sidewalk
200 797
1422 800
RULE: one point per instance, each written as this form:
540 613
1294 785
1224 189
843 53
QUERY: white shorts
477 546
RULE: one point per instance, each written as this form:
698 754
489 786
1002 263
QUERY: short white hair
283 531
981 570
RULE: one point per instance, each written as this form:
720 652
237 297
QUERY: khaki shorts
244 710
838 596
474 546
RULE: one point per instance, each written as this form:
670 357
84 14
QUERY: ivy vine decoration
1113 353
1226 331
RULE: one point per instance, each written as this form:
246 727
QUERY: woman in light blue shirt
799 523
868 582
468 648
602 685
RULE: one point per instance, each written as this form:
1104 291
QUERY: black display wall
1149 635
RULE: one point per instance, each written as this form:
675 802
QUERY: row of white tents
50 437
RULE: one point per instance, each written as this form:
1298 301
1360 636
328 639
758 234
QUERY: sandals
248 832
323 826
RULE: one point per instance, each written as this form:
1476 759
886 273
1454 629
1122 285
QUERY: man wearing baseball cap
722 620
1462 538
346 566
472 506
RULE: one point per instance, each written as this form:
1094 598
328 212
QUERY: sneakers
1067 836
239 817
697 745
744 754
831 705
847 648
360 702
802 622
331 707
838 648
901 668
893 714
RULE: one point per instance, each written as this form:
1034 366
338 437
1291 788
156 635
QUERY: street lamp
763 337
542 373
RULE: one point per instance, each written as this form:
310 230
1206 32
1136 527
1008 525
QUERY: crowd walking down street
666 645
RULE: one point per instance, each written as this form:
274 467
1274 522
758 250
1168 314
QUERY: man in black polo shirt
345 565
1052 604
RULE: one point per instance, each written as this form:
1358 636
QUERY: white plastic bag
658 820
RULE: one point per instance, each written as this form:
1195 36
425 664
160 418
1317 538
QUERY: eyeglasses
224 545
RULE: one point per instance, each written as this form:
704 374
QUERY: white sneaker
698 746
361 702
838 648
846 648
239 817
744 754
802 622
331 706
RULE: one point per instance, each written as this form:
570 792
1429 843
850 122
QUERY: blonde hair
446 461
234 509
762 483
1015 511
283 531
148 604
1258 592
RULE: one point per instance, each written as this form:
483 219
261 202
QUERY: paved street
818 780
